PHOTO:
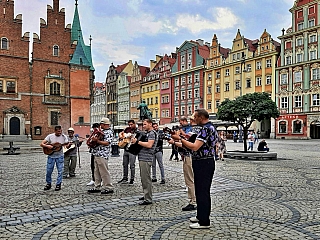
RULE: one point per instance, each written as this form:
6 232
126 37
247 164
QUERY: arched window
54 88
283 127
55 50
4 43
297 126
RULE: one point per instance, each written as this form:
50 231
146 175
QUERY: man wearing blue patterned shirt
203 164
101 156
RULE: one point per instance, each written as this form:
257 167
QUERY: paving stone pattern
268 199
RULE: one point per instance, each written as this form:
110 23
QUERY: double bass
97 133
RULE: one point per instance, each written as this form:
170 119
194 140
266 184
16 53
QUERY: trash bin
115 149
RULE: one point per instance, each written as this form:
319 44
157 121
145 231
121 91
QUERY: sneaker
58 187
154 180
198 226
94 190
194 219
189 207
163 182
47 187
91 183
123 180
131 181
141 198
107 191
145 203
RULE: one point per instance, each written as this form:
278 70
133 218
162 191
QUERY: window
297 101
11 86
209 90
165 85
300 26
176 96
284 79
315 73
316 99
209 104
268 80
196 78
189 56
237 86
268 63
176 82
258 81
282 127
217 103
182 59
196 93
156 100
227 87
299 57
209 76
233 56
183 95
313 55
165 99
189 94
183 81
258 65
297 126
176 111
182 67
4 43
284 102
299 42
217 88
288 60
311 23
248 68
297 76
183 112
54 118
311 10
54 88
313 38
81 120
55 50
217 74
189 65
189 79
248 83
227 72
237 70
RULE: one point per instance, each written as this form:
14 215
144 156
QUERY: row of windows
7 86
149 89
184 110
165 113
311 23
299 57
284 101
189 80
297 76
297 126
187 93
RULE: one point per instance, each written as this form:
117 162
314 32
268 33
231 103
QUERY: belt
203 158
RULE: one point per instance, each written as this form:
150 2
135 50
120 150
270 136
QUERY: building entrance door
14 126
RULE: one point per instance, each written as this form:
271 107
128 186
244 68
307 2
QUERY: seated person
263 146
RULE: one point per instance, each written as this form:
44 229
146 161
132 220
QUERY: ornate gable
14 110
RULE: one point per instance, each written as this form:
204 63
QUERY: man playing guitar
70 155
56 157
128 158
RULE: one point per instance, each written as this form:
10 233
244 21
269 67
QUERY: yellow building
150 89
249 66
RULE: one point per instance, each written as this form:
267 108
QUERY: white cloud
223 18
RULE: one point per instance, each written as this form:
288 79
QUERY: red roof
120 68
144 71
224 51
204 51
129 79
250 43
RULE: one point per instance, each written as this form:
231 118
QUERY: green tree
246 109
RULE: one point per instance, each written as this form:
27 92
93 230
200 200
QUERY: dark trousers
92 167
174 153
203 170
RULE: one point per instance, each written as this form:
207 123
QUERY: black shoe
131 181
145 203
58 187
162 182
170 159
123 180
47 187
107 191
72 175
142 198
189 207
154 180
177 159
93 190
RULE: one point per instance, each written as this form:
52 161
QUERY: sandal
58 187
47 187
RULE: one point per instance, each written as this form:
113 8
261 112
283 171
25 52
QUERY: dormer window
4 43
56 50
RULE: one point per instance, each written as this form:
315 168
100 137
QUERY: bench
13 138
256 155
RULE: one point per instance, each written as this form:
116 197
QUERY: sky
137 30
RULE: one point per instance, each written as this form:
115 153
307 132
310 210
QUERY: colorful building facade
298 74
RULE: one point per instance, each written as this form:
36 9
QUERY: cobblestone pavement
269 199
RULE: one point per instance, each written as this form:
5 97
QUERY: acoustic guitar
66 150
56 148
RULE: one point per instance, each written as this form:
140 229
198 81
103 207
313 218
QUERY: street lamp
242 63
